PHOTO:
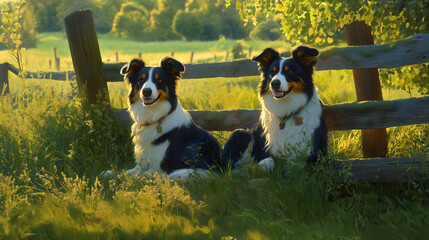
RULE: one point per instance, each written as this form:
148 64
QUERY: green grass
52 149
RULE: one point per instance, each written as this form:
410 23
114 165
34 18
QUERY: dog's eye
286 68
273 71
143 76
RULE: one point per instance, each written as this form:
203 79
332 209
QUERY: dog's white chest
148 155
295 140
292 141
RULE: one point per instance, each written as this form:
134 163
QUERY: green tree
269 30
131 21
69 6
217 20
45 13
162 19
318 23
106 10
29 25
187 24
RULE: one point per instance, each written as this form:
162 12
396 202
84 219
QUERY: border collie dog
165 138
291 124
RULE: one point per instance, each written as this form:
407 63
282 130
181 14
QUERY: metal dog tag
159 129
298 121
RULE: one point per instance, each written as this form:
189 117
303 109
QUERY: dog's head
286 80
153 88
151 85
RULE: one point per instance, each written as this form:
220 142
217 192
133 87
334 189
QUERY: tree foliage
131 21
322 22
317 22
187 24
268 30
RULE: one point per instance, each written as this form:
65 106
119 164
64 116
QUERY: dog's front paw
107 173
134 172
188 173
267 164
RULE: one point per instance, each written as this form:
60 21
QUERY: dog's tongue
278 93
147 100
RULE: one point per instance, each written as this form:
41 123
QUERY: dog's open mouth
150 101
281 94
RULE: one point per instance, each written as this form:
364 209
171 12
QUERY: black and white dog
165 138
291 124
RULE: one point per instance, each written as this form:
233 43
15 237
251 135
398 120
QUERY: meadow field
52 149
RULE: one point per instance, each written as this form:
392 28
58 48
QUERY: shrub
131 22
237 51
187 24
268 30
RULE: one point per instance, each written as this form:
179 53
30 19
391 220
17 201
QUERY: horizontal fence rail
346 116
61 76
412 50
401 169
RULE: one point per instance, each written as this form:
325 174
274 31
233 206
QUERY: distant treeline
148 20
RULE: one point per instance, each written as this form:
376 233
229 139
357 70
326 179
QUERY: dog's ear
305 55
266 57
174 67
132 66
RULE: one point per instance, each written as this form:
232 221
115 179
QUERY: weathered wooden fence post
58 63
192 57
4 80
367 85
117 56
140 54
57 59
226 57
250 52
86 57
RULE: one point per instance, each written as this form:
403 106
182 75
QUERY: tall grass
53 147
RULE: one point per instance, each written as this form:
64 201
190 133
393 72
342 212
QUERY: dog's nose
275 84
147 92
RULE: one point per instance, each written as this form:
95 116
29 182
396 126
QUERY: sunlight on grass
52 149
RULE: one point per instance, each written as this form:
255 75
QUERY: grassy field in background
52 149
38 59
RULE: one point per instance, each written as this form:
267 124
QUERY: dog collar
159 127
298 120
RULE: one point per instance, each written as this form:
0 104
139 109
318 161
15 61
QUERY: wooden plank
210 120
408 51
413 50
346 116
375 114
368 87
60 76
86 56
239 68
400 169
4 78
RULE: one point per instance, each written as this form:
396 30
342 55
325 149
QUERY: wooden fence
92 73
